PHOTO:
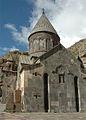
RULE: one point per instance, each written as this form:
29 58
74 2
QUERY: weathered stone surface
41 42
53 82
61 93
10 102
50 79
2 107
42 116
17 96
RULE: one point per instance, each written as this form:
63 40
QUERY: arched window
76 93
42 44
45 77
31 46
0 92
61 78
36 45
48 44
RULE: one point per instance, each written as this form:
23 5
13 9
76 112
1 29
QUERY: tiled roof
25 59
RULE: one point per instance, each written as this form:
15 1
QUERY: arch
0 92
45 77
76 93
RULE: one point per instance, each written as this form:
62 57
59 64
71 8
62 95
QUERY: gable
61 60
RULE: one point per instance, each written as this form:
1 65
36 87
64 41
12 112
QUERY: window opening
46 92
61 78
76 93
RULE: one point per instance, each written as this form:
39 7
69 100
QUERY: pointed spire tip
43 11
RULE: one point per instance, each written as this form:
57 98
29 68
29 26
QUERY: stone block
18 107
17 96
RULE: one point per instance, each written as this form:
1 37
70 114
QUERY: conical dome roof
43 25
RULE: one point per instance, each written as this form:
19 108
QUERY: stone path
42 116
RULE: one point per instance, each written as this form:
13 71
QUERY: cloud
67 16
4 50
11 27
13 48
21 36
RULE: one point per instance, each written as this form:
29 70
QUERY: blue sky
18 17
16 12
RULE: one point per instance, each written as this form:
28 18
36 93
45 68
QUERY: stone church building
50 77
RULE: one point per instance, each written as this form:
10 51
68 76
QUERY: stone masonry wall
41 42
33 91
62 94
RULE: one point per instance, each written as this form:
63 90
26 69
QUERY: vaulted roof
43 24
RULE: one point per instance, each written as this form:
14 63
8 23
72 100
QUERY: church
49 78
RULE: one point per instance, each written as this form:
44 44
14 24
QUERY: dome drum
42 42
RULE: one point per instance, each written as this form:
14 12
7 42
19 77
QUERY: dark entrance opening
0 92
76 93
46 92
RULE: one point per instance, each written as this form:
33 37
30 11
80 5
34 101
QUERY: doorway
46 92
76 93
